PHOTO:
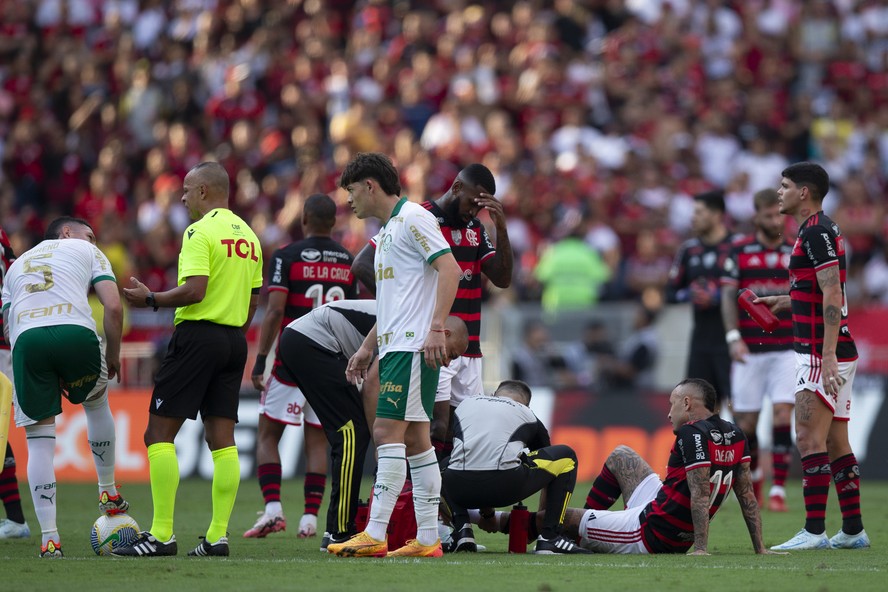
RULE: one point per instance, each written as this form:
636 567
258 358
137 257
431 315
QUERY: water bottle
519 521
760 313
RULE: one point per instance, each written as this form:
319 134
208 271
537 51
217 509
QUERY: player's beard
771 236
455 216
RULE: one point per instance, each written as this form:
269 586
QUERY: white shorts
765 374
460 380
286 404
608 531
808 377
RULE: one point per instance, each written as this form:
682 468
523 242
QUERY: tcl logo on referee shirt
239 248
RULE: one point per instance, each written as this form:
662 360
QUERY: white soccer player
416 277
57 351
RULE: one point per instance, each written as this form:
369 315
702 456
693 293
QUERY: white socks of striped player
41 478
426 477
391 472
102 442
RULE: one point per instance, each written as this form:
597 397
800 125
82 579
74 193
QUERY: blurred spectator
538 362
570 271
875 276
760 162
597 349
633 366
647 270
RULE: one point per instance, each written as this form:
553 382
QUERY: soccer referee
220 273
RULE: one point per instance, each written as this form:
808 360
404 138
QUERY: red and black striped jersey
6 259
754 266
699 263
666 522
470 245
313 271
819 245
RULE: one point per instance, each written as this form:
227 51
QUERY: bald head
457 336
214 176
206 188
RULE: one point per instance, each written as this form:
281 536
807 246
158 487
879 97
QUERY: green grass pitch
284 562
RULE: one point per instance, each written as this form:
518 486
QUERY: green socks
163 466
226 479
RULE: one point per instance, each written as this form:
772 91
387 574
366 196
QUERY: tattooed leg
628 468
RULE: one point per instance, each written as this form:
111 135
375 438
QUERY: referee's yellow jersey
222 246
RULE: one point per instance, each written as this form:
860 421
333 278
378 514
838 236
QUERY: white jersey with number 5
406 283
48 285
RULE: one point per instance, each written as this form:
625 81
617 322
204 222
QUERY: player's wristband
259 366
732 336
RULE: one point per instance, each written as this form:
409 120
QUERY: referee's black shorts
201 371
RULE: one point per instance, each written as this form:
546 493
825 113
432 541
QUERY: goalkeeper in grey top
502 455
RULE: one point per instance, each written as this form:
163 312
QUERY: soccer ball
110 532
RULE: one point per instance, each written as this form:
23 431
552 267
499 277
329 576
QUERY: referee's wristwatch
149 301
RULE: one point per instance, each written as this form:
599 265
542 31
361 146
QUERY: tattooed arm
750 509
833 301
698 482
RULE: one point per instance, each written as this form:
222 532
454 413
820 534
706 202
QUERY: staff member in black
695 277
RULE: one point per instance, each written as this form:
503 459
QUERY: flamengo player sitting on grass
708 459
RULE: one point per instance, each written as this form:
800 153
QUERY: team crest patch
456 236
386 242
472 237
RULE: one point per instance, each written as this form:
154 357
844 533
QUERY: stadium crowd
599 118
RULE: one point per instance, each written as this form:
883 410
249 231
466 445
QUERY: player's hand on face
358 364
493 207
136 295
435 350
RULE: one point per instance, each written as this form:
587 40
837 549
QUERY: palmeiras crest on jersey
386 242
